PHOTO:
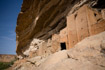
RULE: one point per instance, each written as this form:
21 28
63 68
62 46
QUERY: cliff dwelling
61 35
83 23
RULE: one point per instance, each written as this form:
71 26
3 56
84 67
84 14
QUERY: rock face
42 18
61 35
89 54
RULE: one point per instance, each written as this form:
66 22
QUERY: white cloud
7 38
11 36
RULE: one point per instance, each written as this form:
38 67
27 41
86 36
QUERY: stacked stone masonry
81 24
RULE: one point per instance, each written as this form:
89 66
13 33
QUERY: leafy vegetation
5 65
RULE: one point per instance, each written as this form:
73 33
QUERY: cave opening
63 46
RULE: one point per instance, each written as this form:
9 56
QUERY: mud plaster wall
81 24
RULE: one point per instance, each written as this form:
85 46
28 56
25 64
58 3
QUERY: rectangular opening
63 46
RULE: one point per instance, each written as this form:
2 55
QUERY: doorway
63 46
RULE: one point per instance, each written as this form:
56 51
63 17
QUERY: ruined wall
64 37
83 23
55 42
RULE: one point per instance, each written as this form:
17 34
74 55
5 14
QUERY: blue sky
9 10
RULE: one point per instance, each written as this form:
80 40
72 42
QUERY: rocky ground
6 57
89 54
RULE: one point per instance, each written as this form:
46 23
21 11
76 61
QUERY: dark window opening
75 16
95 14
63 46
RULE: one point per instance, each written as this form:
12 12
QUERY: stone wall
83 23
63 37
55 42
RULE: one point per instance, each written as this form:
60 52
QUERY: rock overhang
41 19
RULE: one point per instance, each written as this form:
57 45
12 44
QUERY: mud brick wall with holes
63 37
81 24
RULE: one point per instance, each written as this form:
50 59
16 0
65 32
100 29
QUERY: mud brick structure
81 24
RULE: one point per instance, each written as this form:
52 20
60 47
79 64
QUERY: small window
95 14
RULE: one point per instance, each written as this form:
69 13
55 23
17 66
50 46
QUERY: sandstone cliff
43 18
61 35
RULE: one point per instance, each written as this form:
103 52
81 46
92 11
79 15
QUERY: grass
5 65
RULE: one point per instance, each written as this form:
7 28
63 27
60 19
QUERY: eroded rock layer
42 18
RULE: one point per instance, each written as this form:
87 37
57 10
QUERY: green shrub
5 65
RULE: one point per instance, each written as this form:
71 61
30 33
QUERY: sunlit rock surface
61 35
43 18
89 54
